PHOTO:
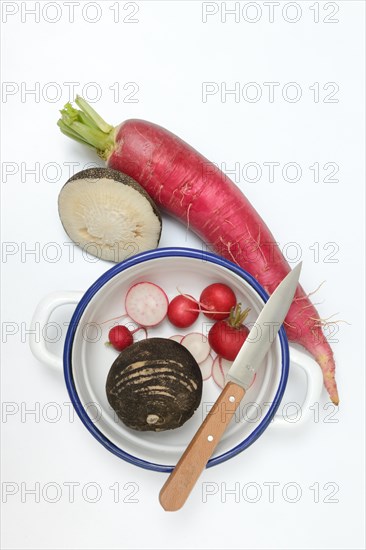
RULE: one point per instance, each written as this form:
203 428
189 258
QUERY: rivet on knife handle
181 481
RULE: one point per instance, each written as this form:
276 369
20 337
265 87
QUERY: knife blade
264 331
181 481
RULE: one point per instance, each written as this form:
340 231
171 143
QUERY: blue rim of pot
99 283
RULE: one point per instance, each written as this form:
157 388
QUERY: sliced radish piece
206 367
217 373
198 345
147 304
225 367
254 377
177 338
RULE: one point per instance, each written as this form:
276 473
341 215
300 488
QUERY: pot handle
40 319
314 380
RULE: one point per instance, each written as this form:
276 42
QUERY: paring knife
181 481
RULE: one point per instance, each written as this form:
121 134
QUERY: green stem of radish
86 126
237 316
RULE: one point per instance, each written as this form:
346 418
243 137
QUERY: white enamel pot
86 360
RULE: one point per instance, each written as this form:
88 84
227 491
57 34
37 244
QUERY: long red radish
195 191
146 303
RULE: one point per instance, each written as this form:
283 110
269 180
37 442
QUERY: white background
169 53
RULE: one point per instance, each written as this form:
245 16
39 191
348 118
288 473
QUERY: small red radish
120 337
183 311
226 337
217 300
198 345
147 304
206 367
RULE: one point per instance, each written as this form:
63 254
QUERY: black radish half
155 385
109 214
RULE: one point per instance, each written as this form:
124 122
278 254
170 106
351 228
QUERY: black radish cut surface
109 214
154 385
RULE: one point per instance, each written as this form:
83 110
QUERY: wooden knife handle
181 481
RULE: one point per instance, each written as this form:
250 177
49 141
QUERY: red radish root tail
325 360
316 343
